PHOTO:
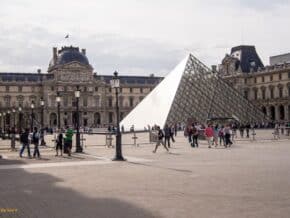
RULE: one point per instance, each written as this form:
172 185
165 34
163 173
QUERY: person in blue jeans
35 141
25 142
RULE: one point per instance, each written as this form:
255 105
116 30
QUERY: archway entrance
281 112
97 119
272 113
264 111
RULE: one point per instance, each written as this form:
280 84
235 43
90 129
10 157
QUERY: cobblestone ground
250 179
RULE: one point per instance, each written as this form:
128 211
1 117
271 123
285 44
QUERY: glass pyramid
191 91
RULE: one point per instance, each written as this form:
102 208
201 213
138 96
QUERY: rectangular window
85 101
110 102
131 90
272 93
263 79
256 94
246 94
264 94
110 117
131 102
141 90
271 78
288 75
280 76
280 92
96 89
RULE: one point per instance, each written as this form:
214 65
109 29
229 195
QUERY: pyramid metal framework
194 91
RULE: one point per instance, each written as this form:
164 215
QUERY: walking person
242 128
188 133
13 138
59 143
248 127
25 142
160 140
222 136
227 133
195 135
167 135
35 141
209 135
215 135
68 140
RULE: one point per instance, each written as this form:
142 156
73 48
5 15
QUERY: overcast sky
139 37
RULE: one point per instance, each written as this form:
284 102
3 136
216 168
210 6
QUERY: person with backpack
160 140
35 141
68 140
25 142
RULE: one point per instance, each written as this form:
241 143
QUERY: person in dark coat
24 140
59 143
167 135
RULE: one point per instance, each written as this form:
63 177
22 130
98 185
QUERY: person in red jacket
209 133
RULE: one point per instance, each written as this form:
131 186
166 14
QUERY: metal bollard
135 139
253 134
109 140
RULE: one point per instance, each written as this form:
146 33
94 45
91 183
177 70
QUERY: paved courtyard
250 179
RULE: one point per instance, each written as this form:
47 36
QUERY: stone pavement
251 179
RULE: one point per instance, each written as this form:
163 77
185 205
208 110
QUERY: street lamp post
1 125
20 119
79 149
58 110
115 83
42 122
8 113
13 110
4 124
32 116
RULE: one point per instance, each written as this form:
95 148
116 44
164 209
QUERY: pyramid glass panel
192 91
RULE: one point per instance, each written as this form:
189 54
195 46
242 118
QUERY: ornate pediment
75 76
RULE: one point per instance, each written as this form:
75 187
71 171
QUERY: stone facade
68 69
267 87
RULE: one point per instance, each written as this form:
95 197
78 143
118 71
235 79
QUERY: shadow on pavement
37 195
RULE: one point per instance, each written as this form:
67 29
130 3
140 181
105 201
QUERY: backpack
160 134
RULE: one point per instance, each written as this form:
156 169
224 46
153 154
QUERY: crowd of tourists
35 138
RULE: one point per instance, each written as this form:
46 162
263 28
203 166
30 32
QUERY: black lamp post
32 116
13 111
115 83
79 149
58 110
4 124
1 124
42 121
20 119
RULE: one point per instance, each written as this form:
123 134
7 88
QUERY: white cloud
139 37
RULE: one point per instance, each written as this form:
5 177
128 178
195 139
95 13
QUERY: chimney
54 54
39 71
83 51
214 68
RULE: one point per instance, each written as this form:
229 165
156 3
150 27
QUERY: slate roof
249 55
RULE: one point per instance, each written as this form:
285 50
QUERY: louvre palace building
267 87
68 69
